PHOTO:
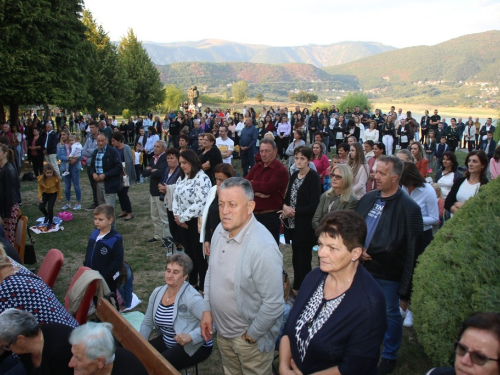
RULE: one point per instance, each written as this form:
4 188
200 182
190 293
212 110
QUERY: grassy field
148 260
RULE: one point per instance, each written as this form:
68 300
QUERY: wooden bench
132 340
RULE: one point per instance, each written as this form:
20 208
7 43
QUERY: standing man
155 171
106 169
487 127
243 285
435 120
106 130
269 179
461 129
225 144
413 124
477 124
146 123
248 142
49 146
394 226
87 151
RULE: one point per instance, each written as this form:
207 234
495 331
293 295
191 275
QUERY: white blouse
190 196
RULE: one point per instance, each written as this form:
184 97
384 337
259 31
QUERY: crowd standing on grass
357 187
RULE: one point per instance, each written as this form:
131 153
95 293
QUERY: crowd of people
370 208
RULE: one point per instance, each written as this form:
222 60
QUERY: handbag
125 177
29 251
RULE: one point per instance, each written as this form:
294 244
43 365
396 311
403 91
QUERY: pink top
321 165
494 168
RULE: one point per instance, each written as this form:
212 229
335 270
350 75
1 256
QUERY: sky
399 24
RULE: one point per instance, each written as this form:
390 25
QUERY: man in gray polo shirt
243 285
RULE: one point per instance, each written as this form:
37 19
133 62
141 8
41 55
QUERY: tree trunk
46 112
14 114
2 113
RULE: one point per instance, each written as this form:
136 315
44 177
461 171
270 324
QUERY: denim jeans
394 334
73 177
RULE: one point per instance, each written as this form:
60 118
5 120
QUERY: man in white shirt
401 117
146 123
225 145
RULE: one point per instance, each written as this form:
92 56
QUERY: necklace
301 176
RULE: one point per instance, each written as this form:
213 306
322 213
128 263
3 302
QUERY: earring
353 260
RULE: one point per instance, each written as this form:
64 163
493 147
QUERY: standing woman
325 132
378 151
452 135
495 164
468 186
359 168
371 134
35 152
320 160
404 134
190 196
388 133
470 135
74 168
351 131
283 138
361 129
269 124
338 132
9 185
430 147
425 125
127 159
301 200
210 156
313 125
447 173
19 144
418 154
297 142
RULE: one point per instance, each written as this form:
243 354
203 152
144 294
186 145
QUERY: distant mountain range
474 57
214 50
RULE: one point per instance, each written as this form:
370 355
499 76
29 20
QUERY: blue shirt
426 198
249 136
98 160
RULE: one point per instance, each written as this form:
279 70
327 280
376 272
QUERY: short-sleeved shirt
223 146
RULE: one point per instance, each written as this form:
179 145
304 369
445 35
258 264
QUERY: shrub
353 100
458 274
126 114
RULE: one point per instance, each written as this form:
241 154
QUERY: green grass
148 260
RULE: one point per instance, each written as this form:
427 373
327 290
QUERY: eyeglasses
336 176
475 357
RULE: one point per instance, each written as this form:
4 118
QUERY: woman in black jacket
313 126
301 200
351 130
338 131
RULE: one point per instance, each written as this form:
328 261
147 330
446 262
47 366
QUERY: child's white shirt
76 150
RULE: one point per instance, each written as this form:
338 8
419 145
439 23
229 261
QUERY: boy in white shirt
75 153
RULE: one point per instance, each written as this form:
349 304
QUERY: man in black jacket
106 169
49 146
394 225
155 171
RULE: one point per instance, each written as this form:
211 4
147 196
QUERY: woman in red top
269 124
320 160
418 154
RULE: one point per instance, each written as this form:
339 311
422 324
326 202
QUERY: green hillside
474 57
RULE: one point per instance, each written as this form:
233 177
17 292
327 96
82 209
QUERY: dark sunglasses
477 358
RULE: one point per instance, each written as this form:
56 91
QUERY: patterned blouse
190 196
26 291
293 199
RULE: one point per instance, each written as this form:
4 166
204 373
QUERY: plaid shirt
98 160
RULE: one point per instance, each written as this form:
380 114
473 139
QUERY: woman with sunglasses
339 197
477 350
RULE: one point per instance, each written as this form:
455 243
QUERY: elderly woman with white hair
42 348
94 352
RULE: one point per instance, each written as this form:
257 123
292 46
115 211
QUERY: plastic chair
21 227
83 310
51 265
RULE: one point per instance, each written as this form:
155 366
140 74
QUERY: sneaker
90 208
67 206
77 207
403 313
66 173
386 366
408 322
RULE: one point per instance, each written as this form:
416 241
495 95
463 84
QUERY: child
138 162
440 200
333 163
76 151
49 190
440 150
105 247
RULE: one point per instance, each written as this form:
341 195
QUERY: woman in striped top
175 311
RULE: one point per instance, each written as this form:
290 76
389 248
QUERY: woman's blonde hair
65 131
346 187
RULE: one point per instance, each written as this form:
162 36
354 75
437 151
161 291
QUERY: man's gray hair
268 141
163 144
98 340
397 164
241 182
14 322
196 121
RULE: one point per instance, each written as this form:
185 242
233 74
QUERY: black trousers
282 144
301 262
177 356
452 144
37 162
138 170
174 228
272 222
48 199
190 239
93 185
125 200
